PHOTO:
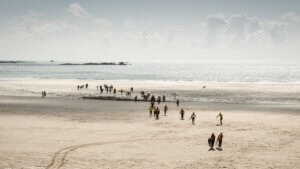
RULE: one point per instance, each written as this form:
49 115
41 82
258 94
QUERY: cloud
290 16
77 11
238 23
172 32
102 22
240 29
80 34
36 36
216 22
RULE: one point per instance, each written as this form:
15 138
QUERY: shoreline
261 94
151 81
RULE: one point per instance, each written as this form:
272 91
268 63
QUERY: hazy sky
150 30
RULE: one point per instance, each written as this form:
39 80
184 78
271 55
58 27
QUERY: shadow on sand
211 149
220 149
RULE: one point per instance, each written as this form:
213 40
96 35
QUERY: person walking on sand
135 98
220 140
157 113
182 114
211 141
151 110
154 112
164 98
177 103
165 110
193 117
158 99
221 118
152 98
152 103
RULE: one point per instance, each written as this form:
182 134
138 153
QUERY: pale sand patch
71 134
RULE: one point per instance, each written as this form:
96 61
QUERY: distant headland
13 62
102 63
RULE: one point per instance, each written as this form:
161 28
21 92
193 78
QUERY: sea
172 71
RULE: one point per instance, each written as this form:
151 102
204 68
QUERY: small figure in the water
115 90
182 114
86 85
221 118
193 117
78 87
165 110
164 98
131 89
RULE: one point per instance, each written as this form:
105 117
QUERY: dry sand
56 133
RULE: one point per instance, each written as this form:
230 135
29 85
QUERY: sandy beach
71 133
85 84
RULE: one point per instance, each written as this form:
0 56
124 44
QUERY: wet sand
75 133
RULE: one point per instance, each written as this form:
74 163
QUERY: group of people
155 110
146 97
44 94
212 140
108 89
82 86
